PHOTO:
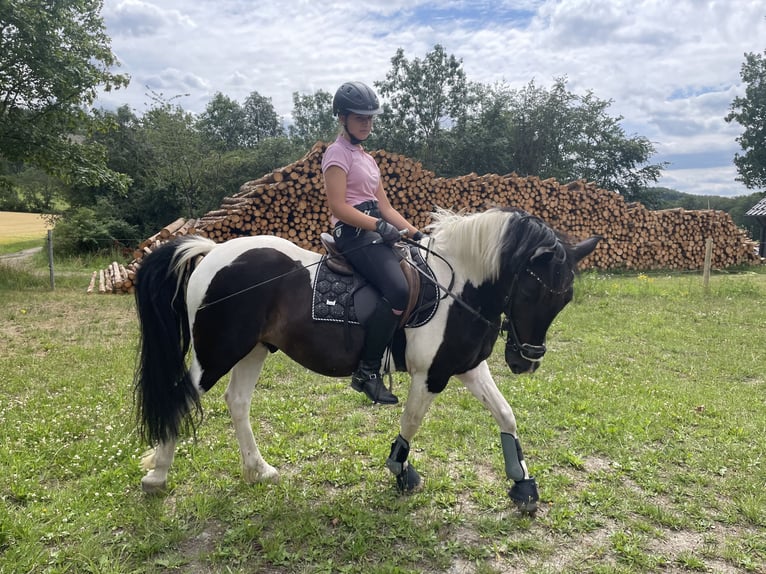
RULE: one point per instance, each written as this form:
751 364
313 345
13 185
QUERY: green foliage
260 120
53 58
313 119
27 189
221 123
551 133
84 230
226 125
424 98
750 112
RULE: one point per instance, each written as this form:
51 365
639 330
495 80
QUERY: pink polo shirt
362 172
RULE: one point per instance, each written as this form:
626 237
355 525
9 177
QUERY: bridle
532 353
529 352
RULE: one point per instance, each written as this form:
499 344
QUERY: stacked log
290 203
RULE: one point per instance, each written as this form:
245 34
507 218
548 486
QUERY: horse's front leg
238 396
418 402
481 384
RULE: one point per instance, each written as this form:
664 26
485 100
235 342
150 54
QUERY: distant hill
665 198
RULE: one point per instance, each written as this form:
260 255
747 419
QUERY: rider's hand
418 236
387 232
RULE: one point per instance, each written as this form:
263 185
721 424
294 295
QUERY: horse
229 305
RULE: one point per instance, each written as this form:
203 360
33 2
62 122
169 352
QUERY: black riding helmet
355 98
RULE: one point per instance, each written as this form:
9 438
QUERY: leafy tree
313 119
750 112
222 124
177 153
602 152
260 120
28 189
551 133
84 230
424 98
54 55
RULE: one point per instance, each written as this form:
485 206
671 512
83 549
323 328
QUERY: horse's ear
586 247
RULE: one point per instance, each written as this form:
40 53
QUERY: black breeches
377 262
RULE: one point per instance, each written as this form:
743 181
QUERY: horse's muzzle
524 358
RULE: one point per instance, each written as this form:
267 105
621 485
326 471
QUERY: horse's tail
166 399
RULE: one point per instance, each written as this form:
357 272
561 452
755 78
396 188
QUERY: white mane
474 240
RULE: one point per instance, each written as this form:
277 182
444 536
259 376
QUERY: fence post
708 258
50 258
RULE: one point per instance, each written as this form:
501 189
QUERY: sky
671 68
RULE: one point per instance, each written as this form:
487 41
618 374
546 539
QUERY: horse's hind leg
244 377
157 462
481 384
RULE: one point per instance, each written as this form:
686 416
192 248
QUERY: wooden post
708 258
50 258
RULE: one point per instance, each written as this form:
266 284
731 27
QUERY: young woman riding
365 228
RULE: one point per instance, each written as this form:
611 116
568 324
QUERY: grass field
644 427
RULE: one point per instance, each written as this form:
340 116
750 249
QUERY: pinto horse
236 302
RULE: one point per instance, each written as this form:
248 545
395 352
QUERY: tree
222 124
54 56
750 112
177 152
313 119
260 120
551 133
425 98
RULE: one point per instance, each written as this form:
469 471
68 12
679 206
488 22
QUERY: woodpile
290 203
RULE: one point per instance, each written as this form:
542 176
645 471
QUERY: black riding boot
367 379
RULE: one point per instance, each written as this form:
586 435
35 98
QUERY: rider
365 228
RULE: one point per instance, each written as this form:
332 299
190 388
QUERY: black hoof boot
407 478
367 380
524 495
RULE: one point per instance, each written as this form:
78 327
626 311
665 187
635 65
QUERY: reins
269 280
446 290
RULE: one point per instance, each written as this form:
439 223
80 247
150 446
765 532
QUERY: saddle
409 260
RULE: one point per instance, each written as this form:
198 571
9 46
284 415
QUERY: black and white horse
235 302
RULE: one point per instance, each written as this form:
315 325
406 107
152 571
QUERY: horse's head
529 266
539 290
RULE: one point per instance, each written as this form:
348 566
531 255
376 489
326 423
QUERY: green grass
644 427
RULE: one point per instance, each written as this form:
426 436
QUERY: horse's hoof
524 495
151 484
407 480
254 476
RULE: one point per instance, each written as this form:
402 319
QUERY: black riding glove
418 236
387 232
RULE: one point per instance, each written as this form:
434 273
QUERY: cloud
670 70
704 181
134 18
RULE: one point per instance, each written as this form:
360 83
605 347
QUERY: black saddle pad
333 295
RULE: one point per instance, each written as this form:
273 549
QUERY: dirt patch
196 549
19 257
